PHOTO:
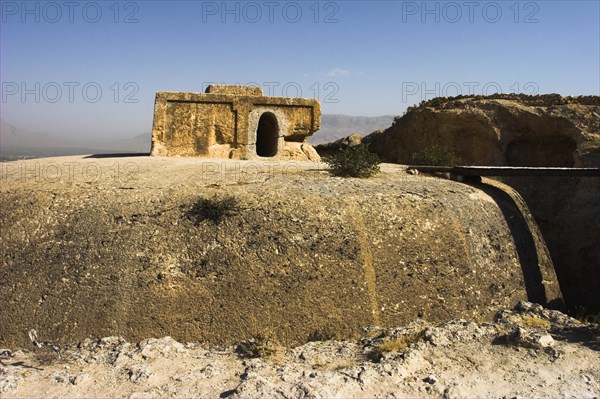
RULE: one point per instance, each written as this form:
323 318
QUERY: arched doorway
267 135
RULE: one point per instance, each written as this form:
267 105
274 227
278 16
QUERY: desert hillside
99 246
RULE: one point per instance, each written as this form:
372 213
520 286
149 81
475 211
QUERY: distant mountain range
336 126
16 143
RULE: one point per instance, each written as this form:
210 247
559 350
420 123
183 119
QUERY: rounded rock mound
521 130
94 247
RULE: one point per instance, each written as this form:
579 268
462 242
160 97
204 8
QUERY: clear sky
80 68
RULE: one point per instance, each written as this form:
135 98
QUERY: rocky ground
526 352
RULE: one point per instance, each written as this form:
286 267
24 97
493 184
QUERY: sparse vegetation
436 155
354 161
535 322
411 108
214 209
435 102
444 102
393 345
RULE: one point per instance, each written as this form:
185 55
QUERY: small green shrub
436 155
354 161
214 209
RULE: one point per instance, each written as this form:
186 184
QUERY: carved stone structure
235 122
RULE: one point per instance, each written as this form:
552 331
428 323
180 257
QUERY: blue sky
358 57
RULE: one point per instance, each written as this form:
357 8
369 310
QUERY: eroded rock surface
121 252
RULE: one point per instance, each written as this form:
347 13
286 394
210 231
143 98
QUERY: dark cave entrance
267 135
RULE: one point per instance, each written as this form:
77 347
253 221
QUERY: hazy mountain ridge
17 143
12 136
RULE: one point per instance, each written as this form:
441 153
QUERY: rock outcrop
515 130
124 251
521 130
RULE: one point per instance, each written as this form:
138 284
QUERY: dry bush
535 322
259 346
394 345
214 209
